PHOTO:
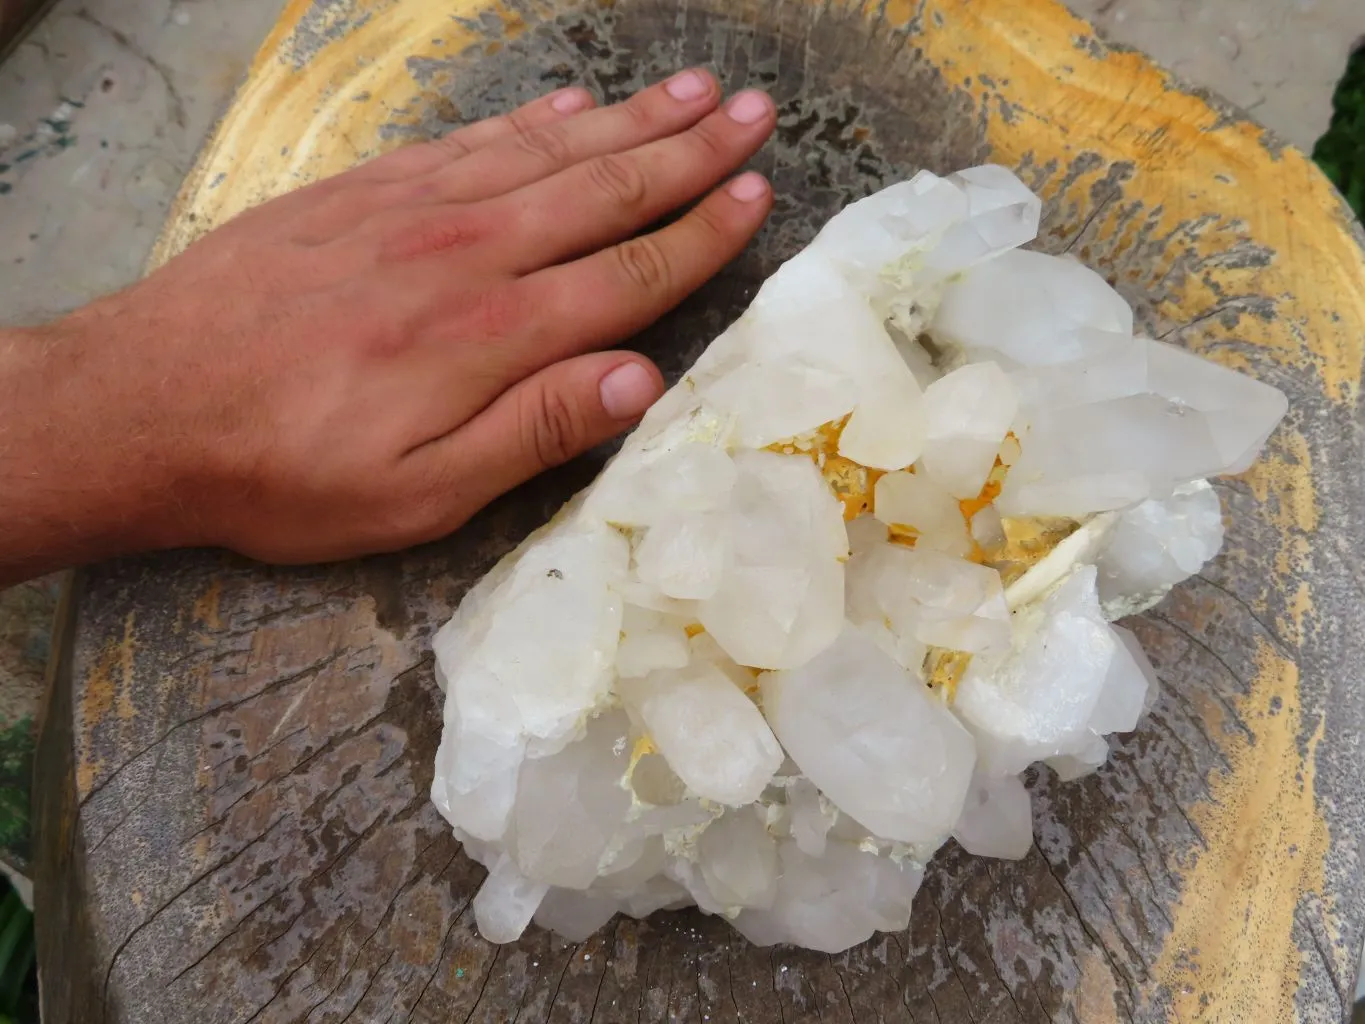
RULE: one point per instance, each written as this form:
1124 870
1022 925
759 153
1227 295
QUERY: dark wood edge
10 43
68 990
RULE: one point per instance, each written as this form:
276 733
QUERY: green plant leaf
16 977
1341 150
16 948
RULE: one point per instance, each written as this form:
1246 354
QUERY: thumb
547 419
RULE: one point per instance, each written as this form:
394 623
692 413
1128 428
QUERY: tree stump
233 819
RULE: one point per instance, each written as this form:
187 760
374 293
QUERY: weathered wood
235 823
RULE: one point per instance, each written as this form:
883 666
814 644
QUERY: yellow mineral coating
644 745
944 669
853 484
990 490
1028 540
905 536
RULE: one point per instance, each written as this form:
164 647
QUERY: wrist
80 479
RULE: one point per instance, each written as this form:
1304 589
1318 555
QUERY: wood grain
234 823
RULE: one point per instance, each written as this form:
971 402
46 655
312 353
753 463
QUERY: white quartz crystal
906 776
1156 544
848 578
997 818
930 598
1184 419
970 412
920 502
709 731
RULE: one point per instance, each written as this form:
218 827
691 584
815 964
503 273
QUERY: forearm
71 490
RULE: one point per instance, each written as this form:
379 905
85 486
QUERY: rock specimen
849 577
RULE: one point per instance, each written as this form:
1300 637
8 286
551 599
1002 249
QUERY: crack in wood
441 952
554 996
1233 717
951 960
1282 647
487 977
607 949
1095 940
1094 214
231 705
385 916
113 960
366 991
1009 896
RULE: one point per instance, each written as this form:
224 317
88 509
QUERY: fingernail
570 101
747 187
687 85
628 391
748 107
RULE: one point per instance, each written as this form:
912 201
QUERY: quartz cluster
845 582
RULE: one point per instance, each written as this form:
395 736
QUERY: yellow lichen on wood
1231 955
106 703
301 116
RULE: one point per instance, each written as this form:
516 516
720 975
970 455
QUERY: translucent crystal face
846 581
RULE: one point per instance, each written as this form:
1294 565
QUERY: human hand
362 364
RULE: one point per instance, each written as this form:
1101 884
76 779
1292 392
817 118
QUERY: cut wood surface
233 821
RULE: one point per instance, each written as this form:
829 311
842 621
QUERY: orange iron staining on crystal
944 669
851 483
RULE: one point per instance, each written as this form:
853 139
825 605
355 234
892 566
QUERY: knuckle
553 427
498 313
395 164
709 141
708 222
451 146
547 145
515 121
638 111
644 264
425 235
325 214
619 179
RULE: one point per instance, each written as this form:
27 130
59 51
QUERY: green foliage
16 774
1341 151
18 951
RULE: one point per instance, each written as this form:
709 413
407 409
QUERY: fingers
609 197
424 158
542 149
545 420
611 294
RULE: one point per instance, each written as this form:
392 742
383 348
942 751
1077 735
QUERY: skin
363 364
